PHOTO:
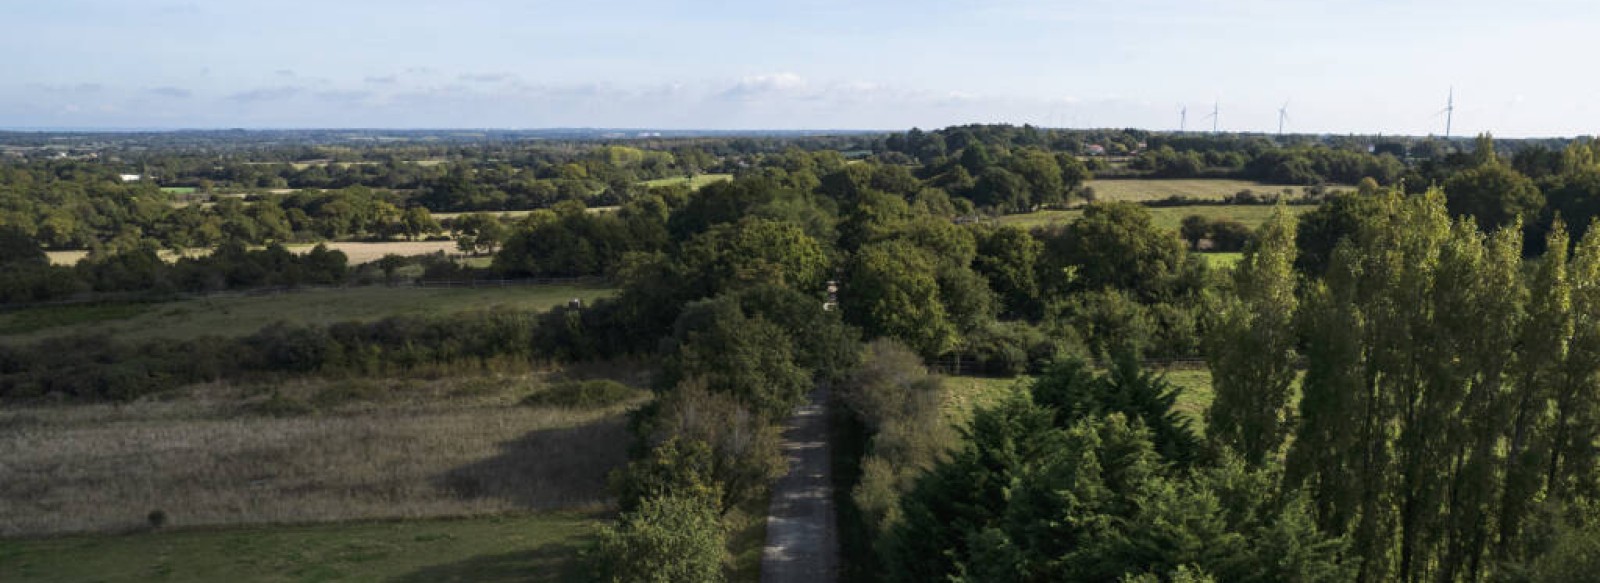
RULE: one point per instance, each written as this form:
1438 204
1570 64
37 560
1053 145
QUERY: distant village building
1097 150
131 177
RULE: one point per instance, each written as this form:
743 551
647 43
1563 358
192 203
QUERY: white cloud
265 94
764 85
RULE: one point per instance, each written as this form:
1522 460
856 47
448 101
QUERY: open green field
537 547
968 393
1221 260
1143 189
696 183
1165 217
178 189
234 315
965 394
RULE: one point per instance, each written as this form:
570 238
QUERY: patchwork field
1164 217
234 315
1141 189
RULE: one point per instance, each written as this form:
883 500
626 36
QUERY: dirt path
802 541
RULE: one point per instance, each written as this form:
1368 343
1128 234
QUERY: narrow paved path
802 541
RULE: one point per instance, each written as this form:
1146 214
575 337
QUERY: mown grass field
968 393
528 547
1164 217
1144 189
178 189
696 183
236 315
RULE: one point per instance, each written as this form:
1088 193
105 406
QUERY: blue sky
1518 68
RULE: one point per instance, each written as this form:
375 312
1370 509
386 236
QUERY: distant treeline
385 191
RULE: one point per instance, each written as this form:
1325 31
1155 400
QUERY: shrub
1013 348
669 539
745 449
897 401
677 467
157 518
592 394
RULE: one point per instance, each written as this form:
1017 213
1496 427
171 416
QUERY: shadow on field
551 563
548 468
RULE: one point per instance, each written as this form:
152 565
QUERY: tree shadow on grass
551 563
548 468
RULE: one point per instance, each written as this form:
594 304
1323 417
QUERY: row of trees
77 206
30 277
1444 422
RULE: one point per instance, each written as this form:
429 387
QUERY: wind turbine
1283 115
1216 109
1449 112
1183 118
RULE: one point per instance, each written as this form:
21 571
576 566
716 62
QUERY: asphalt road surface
802 534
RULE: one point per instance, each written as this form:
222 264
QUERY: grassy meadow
1147 189
309 450
968 393
240 314
540 548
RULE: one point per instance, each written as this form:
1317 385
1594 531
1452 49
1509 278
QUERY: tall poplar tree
1250 346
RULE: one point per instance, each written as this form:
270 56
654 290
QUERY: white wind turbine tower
1183 118
1449 112
1216 109
1283 115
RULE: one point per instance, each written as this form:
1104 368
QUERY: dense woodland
1405 376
